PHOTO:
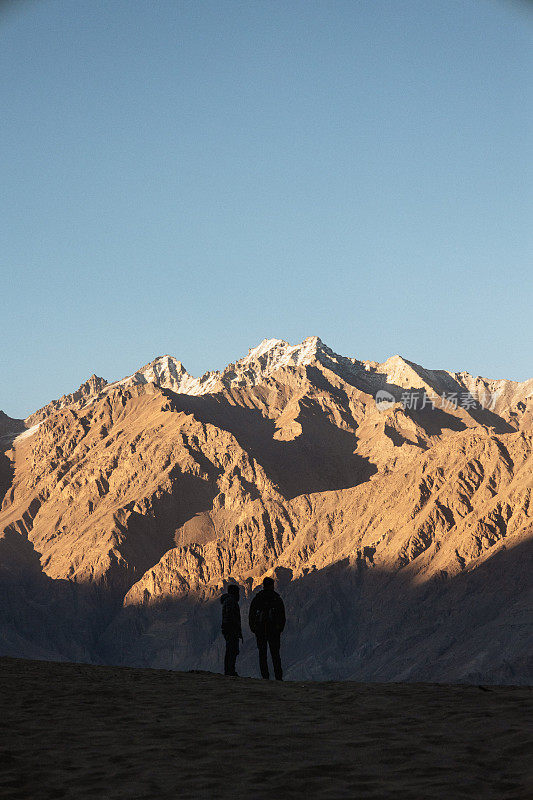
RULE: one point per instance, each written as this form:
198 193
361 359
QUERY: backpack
266 617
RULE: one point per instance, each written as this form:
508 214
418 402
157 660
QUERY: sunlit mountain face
390 502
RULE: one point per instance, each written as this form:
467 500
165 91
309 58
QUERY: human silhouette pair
267 621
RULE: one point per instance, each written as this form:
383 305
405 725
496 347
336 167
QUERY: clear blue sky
191 177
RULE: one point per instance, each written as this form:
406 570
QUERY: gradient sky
192 177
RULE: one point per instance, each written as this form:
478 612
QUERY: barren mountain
391 502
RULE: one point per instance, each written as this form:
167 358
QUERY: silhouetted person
267 620
231 627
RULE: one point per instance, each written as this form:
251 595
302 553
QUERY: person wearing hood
231 627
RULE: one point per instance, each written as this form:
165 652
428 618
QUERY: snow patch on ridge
264 347
26 434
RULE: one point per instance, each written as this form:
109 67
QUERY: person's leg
263 663
274 644
232 650
227 657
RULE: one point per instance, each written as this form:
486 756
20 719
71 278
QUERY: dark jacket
267 613
231 616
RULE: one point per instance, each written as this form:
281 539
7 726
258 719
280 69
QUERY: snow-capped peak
280 353
271 355
167 372
266 346
260 362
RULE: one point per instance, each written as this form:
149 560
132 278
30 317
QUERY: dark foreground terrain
80 731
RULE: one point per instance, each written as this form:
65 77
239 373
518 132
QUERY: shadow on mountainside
145 537
321 458
7 472
43 617
354 621
350 620
9 430
434 421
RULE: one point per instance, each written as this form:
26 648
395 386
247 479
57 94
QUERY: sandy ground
79 731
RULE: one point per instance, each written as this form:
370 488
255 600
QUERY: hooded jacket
231 616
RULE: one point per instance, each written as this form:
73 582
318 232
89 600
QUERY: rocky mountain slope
391 502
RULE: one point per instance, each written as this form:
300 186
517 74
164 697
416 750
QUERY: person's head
268 584
233 590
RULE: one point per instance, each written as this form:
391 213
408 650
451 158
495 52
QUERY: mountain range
391 503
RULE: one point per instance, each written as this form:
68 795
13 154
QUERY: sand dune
79 731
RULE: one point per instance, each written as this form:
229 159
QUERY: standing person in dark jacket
231 627
267 620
